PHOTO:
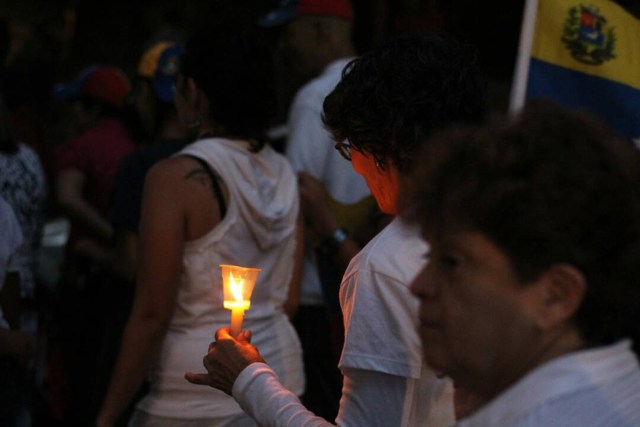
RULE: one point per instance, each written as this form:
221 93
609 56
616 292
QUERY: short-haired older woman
532 290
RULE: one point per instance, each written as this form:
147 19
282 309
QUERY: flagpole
521 73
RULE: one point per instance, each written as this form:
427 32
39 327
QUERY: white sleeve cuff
260 394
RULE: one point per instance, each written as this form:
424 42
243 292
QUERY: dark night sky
115 31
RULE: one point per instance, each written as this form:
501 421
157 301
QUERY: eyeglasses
344 148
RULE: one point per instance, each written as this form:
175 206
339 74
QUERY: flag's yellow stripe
548 45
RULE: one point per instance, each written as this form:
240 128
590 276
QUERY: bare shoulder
175 172
184 176
189 186
164 183
172 167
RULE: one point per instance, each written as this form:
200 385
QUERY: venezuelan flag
584 54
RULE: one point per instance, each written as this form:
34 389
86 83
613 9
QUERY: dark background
51 40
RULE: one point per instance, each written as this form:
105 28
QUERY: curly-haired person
388 102
532 291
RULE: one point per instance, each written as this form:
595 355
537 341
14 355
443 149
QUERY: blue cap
286 11
160 64
69 91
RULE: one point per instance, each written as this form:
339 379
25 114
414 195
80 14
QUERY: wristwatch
332 243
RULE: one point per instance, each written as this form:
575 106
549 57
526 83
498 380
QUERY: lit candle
238 285
238 305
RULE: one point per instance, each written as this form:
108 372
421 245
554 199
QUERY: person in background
530 300
389 101
86 177
23 187
88 163
161 135
315 41
16 347
226 198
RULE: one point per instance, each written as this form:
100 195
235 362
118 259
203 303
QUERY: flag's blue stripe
617 104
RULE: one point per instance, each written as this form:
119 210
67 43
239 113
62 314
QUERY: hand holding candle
237 285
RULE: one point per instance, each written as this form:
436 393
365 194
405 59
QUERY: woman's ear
562 291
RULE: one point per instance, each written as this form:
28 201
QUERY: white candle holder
237 284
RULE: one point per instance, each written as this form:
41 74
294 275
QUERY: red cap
107 84
337 8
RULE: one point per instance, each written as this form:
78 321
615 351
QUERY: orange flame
236 287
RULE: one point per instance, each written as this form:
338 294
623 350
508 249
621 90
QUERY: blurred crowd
281 135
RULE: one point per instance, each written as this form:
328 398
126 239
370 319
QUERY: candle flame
236 287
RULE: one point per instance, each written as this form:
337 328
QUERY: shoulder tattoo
199 175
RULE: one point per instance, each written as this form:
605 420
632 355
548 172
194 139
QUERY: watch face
339 236
332 243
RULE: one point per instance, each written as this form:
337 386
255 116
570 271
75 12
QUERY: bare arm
293 299
69 187
322 220
125 262
161 246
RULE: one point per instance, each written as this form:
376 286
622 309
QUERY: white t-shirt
380 318
385 382
591 388
310 148
10 243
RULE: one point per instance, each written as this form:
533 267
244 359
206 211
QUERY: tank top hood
264 189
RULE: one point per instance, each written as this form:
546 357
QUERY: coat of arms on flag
588 36
583 54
